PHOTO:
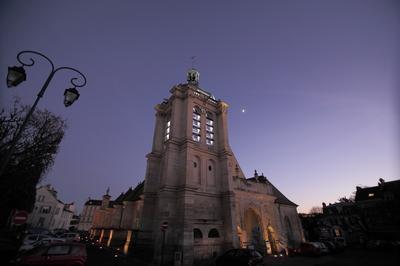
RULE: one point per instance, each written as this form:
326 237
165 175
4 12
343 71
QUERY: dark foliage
33 156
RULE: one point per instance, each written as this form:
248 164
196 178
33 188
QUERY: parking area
346 258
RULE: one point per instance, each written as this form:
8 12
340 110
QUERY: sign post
20 217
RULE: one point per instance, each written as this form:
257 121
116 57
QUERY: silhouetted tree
315 209
32 158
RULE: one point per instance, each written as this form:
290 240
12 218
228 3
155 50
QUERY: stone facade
194 184
116 223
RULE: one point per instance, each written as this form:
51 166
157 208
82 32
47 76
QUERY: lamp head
70 96
15 76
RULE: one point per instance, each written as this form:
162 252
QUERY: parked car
239 257
71 237
331 246
58 232
32 238
42 241
323 249
309 249
55 254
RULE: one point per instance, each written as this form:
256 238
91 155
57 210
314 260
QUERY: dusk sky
318 80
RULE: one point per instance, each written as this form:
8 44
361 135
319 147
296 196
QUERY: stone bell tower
187 184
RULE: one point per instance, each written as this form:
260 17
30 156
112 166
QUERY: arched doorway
254 231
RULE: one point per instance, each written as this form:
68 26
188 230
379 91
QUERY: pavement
346 258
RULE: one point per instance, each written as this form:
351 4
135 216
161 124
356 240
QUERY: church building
197 201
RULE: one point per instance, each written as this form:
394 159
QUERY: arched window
167 130
196 170
211 173
209 129
197 234
196 124
213 233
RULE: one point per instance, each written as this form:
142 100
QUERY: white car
71 237
31 238
28 245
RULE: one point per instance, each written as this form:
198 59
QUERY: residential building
86 218
379 209
49 212
372 215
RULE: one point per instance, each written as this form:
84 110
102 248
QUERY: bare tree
315 209
33 156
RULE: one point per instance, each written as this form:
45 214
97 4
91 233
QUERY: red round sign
20 217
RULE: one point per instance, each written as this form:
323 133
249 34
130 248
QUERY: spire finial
193 58
108 191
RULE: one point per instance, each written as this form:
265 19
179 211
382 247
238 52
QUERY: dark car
309 249
239 257
55 254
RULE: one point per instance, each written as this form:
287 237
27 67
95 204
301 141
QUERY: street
104 257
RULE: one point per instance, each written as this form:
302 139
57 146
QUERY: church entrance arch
254 231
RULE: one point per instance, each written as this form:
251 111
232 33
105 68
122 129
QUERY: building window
209 168
371 195
213 233
196 124
40 222
209 129
167 131
209 142
46 209
194 164
197 233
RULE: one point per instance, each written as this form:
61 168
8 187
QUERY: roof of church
135 194
130 194
280 198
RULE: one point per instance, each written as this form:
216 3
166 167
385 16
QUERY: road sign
20 217
164 226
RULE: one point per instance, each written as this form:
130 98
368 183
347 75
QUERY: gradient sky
319 81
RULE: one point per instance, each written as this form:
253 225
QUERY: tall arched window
196 124
211 173
209 129
196 170
167 130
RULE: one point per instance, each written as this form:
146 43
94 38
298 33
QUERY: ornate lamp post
16 75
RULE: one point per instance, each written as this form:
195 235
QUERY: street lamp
16 75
